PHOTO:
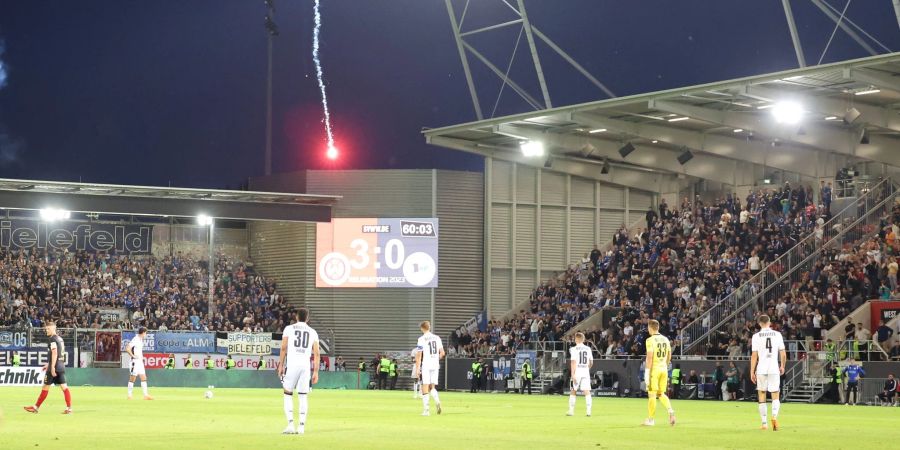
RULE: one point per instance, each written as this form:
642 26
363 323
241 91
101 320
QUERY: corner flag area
245 418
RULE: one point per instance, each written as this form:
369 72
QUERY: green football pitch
181 418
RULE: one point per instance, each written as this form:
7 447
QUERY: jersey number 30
302 339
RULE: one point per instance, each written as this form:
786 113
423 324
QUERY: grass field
180 418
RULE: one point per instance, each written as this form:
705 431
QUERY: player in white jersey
417 381
299 344
581 358
766 367
135 348
429 351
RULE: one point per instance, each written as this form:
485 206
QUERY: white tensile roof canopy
827 117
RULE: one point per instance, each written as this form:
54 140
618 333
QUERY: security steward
527 376
393 373
210 364
170 363
262 363
229 363
476 376
676 381
384 369
16 359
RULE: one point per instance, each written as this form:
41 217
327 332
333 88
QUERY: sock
289 408
589 401
666 403
776 405
762 413
416 388
571 402
41 398
130 388
425 398
68 396
651 405
144 388
434 395
304 407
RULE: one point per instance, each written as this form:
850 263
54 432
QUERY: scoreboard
372 252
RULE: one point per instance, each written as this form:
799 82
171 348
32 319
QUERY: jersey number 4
769 344
302 339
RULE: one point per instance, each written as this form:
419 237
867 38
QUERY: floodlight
787 112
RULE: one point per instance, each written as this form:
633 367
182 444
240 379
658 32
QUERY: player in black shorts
55 370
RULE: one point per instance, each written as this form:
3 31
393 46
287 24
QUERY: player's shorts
852 385
768 382
296 379
59 379
430 376
581 384
659 381
137 368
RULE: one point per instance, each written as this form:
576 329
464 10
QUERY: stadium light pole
271 31
207 221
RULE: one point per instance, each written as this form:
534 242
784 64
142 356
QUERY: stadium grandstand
734 241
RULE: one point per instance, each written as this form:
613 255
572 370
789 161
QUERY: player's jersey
430 345
659 347
766 344
583 358
301 338
57 342
854 372
137 347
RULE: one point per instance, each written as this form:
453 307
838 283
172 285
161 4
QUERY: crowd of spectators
686 260
839 282
169 293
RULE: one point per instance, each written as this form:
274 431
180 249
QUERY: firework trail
320 76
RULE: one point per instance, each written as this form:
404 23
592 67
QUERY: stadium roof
165 201
849 115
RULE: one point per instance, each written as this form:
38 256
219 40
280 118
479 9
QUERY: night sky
173 92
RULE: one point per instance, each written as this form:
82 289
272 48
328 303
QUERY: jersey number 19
432 348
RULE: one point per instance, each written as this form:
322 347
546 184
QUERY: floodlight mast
520 18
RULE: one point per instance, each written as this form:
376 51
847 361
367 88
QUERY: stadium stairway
854 223
809 391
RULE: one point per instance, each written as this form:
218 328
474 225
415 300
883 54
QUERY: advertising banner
241 362
21 376
18 234
35 356
108 346
170 342
151 360
883 311
241 343
13 339
373 252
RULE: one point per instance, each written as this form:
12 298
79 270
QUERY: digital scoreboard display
370 252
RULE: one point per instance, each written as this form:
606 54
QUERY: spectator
693 378
884 334
888 395
733 380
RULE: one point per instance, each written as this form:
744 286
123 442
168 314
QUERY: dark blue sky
153 92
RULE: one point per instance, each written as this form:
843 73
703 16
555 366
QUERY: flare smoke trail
320 76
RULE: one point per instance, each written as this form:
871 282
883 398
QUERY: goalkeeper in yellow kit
656 376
